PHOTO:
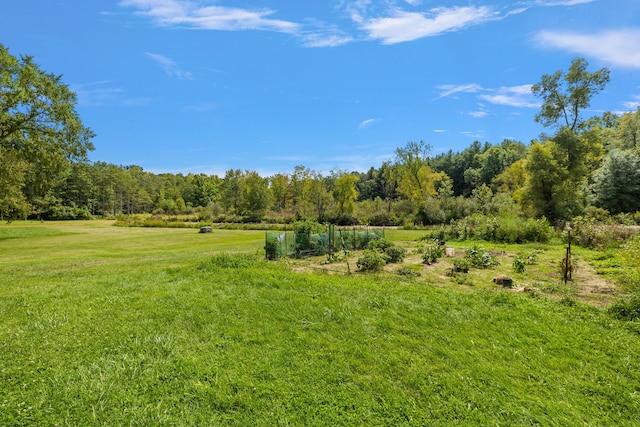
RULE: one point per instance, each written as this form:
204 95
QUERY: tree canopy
565 96
40 132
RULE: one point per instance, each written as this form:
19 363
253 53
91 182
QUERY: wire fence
331 240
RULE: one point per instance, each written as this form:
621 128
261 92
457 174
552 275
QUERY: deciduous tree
565 96
39 128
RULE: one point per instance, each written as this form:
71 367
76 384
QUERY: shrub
478 257
407 271
272 246
626 309
536 230
372 260
519 264
380 244
461 265
395 254
433 252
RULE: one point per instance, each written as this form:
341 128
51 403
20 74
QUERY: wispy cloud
632 105
512 96
367 123
169 66
619 47
193 14
479 114
323 39
475 134
97 94
561 2
404 26
105 94
448 90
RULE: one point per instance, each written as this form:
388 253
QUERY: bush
433 252
272 246
380 244
478 257
407 271
346 219
626 309
588 233
395 254
519 264
372 260
461 265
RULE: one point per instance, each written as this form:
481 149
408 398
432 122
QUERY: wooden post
567 259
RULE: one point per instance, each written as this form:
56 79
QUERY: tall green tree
255 195
566 96
39 128
345 193
628 131
541 195
281 191
616 185
416 178
573 151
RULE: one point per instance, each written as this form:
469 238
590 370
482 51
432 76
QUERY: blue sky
205 86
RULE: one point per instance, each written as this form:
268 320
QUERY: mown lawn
118 326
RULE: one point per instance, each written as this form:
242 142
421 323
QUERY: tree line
583 165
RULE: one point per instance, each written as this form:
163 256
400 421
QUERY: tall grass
119 326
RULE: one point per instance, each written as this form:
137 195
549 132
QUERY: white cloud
324 39
562 2
448 90
105 94
620 47
192 14
367 123
475 134
97 94
170 67
513 96
632 105
479 114
408 26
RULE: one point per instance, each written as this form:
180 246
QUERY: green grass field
106 326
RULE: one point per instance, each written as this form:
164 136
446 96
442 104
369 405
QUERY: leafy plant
407 271
395 254
432 252
372 260
626 309
519 264
479 257
272 247
460 265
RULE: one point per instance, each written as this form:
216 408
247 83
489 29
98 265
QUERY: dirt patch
543 278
